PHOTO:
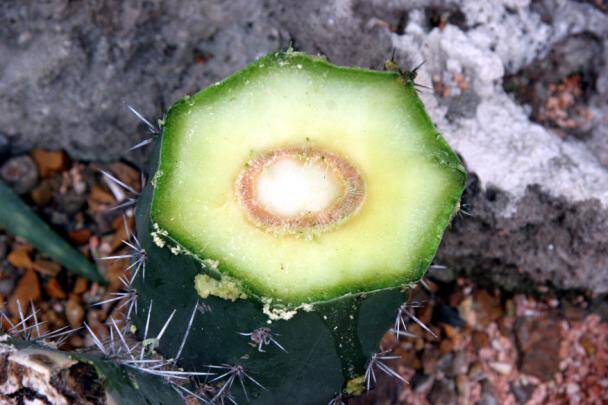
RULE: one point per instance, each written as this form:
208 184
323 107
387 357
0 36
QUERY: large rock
538 197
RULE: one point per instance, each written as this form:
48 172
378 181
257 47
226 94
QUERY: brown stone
80 286
53 289
50 162
28 289
463 386
80 236
20 258
409 358
538 341
460 365
572 311
446 346
120 234
487 308
480 340
76 341
429 360
425 314
100 196
46 267
42 193
453 334
588 345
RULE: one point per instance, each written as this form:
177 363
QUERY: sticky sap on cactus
320 191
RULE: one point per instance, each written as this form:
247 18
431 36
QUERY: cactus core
295 190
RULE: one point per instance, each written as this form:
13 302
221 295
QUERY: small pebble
502 368
80 286
28 289
69 202
20 258
46 267
80 236
50 162
53 289
20 173
74 312
42 193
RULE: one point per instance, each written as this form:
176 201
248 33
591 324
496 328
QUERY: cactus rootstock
297 202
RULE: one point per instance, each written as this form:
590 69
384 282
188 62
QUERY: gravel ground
484 346
519 88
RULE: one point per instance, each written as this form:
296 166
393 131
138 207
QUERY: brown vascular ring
339 210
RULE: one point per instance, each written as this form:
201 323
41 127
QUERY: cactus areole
298 196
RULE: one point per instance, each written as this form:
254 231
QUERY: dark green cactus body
329 334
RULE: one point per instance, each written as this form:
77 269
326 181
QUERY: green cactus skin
18 219
121 384
327 346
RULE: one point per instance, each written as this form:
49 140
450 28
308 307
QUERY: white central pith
290 186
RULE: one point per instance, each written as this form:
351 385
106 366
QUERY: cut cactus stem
218 210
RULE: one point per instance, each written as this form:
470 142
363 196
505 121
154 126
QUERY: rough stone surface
538 200
538 341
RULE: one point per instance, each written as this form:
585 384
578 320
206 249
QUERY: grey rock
463 105
538 203
69 69
70 202
20 173
536 210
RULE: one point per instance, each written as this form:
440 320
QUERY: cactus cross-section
296 202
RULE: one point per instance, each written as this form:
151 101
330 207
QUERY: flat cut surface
371 119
